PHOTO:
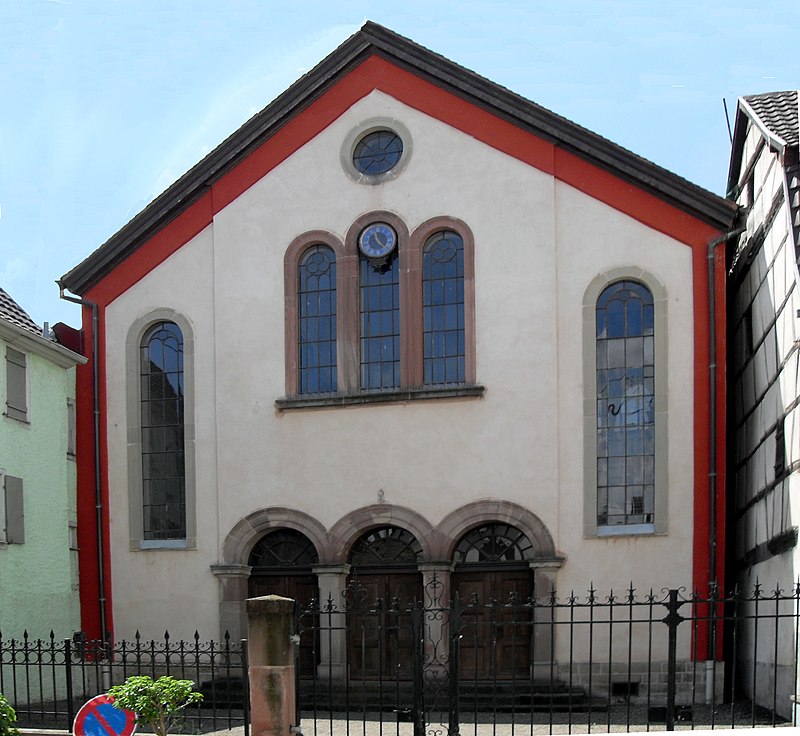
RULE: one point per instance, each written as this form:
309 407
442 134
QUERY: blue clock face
377 240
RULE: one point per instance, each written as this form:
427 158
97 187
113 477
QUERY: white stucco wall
538 245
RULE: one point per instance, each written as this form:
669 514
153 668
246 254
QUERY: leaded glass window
317 321
380 324
493 543
163 471
443 309
283 548
625 405
386 545
378 152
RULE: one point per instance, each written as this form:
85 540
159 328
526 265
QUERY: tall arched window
626 421
162 425
380 324
316 302
443 336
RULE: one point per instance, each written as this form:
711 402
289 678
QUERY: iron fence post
672 620
452 670
246 689
68 681
417 628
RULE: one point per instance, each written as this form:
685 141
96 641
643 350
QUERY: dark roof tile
12 312
778 112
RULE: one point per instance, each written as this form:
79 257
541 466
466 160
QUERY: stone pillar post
436 596
543 645
232 595
332 581
271 659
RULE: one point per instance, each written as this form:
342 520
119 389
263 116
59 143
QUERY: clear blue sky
105 103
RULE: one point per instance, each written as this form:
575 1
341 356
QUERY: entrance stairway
502 696
474 697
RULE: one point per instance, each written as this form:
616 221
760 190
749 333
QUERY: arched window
493 543
385 546
283 549
316 302
443 336
162 427
626 421
380 323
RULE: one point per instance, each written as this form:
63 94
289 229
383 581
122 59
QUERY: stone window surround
134 431
410 246
593 291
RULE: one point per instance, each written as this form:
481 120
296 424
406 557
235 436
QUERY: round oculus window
377 152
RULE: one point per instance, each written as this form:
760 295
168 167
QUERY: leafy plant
7 718
157 703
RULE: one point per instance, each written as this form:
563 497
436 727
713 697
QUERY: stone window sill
379 397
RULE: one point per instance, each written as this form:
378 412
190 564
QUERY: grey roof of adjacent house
778 112
15 314
375 39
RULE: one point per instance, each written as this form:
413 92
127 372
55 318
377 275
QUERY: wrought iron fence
661 660
47 680
579 663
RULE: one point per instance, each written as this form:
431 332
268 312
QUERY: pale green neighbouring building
38 539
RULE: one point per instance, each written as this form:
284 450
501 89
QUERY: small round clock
377 240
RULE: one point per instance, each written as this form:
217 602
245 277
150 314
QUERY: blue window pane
317 320
443 309
625 392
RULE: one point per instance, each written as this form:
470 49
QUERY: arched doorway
281 565
384 581
492 577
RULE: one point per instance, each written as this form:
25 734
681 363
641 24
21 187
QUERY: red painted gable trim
376 73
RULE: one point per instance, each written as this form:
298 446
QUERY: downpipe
712 444
101 582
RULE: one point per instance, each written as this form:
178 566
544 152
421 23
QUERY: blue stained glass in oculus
378 152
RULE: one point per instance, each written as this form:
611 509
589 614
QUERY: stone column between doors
332 581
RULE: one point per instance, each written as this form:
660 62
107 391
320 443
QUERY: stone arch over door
458 522
531 570
350 527
233 571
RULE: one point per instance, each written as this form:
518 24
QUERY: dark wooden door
380 639
495 640
300 588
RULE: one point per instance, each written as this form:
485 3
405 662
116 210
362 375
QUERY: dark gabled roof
12 312
778 113
375 39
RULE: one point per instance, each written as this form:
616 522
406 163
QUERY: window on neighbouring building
71 427
12 523
626 423
162 417
16 385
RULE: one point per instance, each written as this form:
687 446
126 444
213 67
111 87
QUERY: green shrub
157 703
7 718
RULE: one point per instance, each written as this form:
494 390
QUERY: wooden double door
380 640
495 640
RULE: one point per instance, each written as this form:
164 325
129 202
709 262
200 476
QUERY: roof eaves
555 128
479 90
776 142
195 182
